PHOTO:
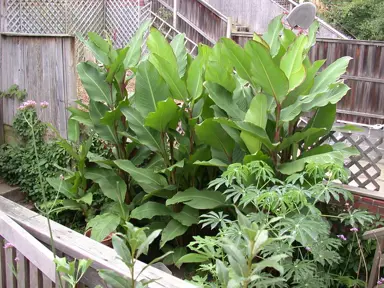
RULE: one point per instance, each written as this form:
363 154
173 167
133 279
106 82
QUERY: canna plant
189 118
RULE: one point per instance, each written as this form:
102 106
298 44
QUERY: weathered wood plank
78 246
31 248
10 269
23 277
2 263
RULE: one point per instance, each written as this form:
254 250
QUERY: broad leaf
272 34
170 74
110 183
134 52
216 74
113 278
178 47
122 249
224 99
187 216
312 35
171 231
62 186
73 130
323 118
143 248
102 225
239 59
250 128
166 115
117 65
195 77
265 72
144 135
94 82
292 62
287 38
259 39
330 74
257 115
212 162
150 88
146 178
299 136
97 111
211 133
194 198
192 258
98 46
149 210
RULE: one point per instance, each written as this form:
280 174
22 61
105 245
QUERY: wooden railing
378 260
28 232
197 19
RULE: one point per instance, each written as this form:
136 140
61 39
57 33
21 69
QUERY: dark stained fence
364 103
197 19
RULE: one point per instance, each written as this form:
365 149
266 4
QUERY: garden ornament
302 16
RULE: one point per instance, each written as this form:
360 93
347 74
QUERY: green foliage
18 165
129 247
361 19
14 92
71 271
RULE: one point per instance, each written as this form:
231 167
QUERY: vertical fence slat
2 263
10 255
22 271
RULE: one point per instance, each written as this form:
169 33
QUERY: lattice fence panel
122 19
364 169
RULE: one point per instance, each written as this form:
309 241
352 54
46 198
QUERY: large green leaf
211 133
272 34
212 162
171 231
252 129
73 130
80 116
265 72
330 74
197 199
299 136
145 135
323 118
166 115
290 168
171 76
157 44
187 216
287 38
257 115
216 74
117 65
192 258
239 59
306 86
195 77
62 186
224 99
102 225
110 183
180 51
94 82
333 95
97 111
312 35
149 210
98 46
146 178
134 52
292 62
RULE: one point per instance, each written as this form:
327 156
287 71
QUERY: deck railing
28 232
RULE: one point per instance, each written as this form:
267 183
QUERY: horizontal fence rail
74 245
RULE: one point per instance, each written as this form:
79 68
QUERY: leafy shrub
18 165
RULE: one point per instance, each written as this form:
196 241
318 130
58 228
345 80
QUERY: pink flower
8 245
341 237
27 104
308 248
61 177
354 229
17 259
44 104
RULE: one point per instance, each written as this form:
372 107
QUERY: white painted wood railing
28 232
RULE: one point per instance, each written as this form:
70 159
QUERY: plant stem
363 259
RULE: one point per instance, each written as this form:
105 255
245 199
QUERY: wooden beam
361 114
78 246
27 245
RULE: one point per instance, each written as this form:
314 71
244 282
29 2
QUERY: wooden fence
364 103
196 18
28 232
44 65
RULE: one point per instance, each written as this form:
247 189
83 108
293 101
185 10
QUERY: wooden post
229 28
3 28
175 8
